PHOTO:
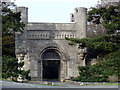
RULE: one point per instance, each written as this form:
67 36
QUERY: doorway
51 65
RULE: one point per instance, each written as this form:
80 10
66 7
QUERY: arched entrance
51 65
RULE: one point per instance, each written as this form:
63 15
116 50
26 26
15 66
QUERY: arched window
51 55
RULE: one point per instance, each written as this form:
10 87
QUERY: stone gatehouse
42 43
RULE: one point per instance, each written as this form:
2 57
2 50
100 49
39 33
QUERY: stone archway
51 65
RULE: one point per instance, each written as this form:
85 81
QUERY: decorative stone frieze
50 34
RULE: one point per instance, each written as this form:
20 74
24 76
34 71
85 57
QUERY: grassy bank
104 84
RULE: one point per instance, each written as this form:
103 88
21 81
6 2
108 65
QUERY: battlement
24 13
78 13
79 9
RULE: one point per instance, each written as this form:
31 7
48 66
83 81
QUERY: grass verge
110 84
53 85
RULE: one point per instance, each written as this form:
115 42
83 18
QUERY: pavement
10 84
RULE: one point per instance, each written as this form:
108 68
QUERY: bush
10 69
101 72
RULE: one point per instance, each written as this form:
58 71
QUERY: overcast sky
53 10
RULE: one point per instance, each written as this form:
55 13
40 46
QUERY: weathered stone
93 61
113 78
40 38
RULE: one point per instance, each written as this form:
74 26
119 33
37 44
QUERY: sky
53 10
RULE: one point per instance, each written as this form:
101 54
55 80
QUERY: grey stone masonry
40 38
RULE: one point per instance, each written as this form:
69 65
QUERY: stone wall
39 37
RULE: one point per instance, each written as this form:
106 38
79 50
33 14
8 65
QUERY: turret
24 14
80 14
72 17
21 38
80 18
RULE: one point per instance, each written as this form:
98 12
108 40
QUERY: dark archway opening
51 65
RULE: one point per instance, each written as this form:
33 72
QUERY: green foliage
106 47
100 45
10 69
108 17
8 44
101 71
11 23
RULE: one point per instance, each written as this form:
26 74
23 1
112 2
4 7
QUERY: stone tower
79 17
45 43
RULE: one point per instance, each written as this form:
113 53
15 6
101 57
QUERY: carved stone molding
50 34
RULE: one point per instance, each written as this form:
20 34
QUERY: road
10 84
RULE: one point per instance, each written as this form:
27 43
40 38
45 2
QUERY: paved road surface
10 84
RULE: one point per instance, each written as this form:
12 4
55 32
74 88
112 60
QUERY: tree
106 47
10 68
11 23
108 17
101 72
101 45
98 29
94 30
